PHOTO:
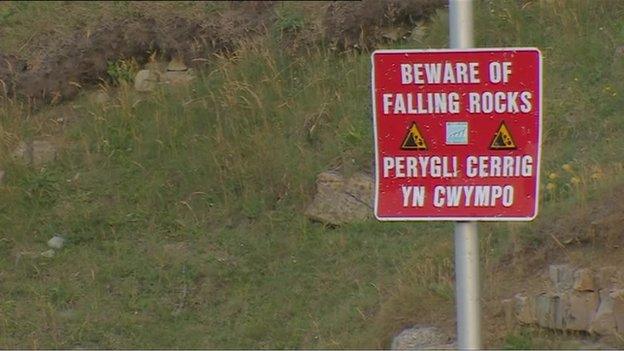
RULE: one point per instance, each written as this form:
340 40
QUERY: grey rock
178 77
100 97
339 200
420 337
43 151
36 152
507 306
56 242
606 277
618 309
67 314
146 80
604 319
577 310
584 280
418 33
448 346
176 65
48 253
395 33
547 311
561 276
22 152
524 309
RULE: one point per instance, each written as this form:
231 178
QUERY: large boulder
577 310
547 311
341 200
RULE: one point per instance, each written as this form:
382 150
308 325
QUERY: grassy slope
183 209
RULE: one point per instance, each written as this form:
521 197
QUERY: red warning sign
457 133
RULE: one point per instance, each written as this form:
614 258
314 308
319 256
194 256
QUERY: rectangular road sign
457 133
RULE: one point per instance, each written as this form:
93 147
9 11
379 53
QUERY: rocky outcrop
578 300
177 73
341 200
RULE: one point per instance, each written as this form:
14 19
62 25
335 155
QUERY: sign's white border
539 135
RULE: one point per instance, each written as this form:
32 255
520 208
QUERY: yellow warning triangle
414 140
503 139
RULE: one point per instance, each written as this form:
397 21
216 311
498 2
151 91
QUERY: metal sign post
467 294
458 138
467 286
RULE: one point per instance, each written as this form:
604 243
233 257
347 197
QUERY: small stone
619 51
100 97
43 151
394 33
524 309
48 253
56 242
561 276
418 338
418 33
36 152
606 277
21 152
67 314
584 280
507 306
145 80
178 77
176 65
603 322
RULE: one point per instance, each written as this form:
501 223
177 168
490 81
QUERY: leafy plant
122 70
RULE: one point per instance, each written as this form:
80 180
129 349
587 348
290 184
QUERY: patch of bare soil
361 24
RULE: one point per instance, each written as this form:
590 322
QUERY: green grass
183 208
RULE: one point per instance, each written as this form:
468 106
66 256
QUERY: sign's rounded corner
533 216
375 52
379 217
536 49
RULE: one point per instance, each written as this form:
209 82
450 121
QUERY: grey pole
467 294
